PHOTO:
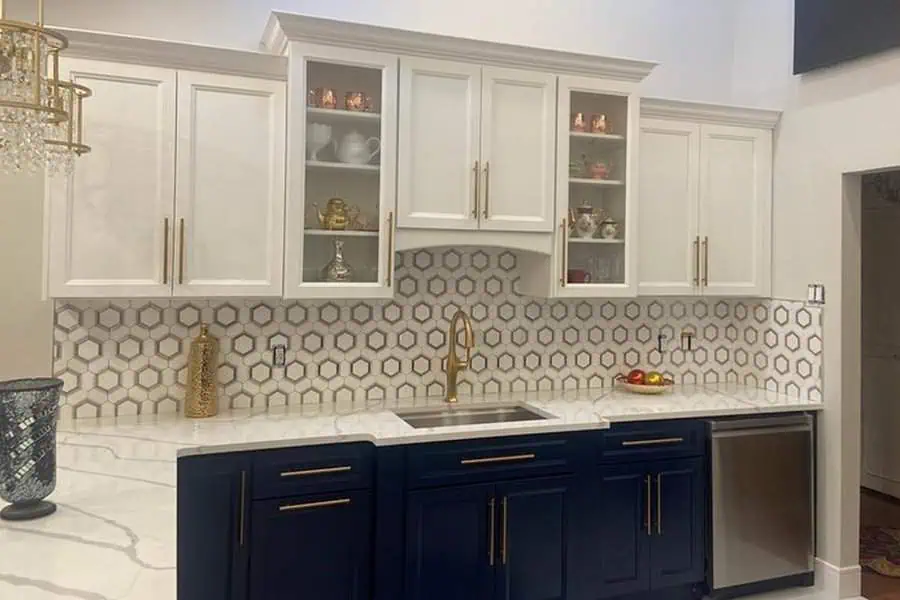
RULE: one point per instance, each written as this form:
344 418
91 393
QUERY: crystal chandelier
41 123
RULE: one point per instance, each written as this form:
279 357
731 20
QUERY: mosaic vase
28 411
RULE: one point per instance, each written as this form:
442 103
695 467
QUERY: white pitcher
354 148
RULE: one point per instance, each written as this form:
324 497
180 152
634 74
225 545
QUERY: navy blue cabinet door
212 526
448 543
677 555
315 546
622 531
534 520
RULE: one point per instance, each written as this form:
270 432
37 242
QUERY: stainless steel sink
464 415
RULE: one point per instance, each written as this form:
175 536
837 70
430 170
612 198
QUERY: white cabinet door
518 142
668 255
230 190
111 220
736 210
439 164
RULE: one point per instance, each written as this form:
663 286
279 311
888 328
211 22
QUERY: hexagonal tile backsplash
129 356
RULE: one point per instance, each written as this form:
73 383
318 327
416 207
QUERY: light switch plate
816 294
278 355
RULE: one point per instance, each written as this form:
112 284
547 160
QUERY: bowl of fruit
644 382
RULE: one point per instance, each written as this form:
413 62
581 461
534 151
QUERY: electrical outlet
687 339
278 355
815 294
661 343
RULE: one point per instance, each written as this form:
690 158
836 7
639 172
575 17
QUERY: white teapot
354 148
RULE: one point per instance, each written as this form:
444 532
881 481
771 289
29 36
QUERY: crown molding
283 28
176 55
703 112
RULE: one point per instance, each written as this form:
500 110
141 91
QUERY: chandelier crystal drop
41 123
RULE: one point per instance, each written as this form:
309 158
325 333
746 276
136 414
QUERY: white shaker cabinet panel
518 140
439 165
111 221
229 221
735 210
669 166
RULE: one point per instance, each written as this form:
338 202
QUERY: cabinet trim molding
174 55
283 27
703 112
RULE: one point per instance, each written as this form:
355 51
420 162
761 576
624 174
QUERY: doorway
880 321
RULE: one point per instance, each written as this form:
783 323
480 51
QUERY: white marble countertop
113 536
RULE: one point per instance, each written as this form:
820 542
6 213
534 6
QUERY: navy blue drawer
310 470
454 463
653 440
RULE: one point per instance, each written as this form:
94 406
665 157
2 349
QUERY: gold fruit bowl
647 390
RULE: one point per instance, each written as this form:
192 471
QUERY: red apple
636 377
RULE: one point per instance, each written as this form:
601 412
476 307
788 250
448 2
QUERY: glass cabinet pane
597 143
343 174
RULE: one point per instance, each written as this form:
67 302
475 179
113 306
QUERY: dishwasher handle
761 424
735 433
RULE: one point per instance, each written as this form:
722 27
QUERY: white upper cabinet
439 166
735 210
131 221
342 153
476 147
518 112
669 188
229 201
705 200
111 221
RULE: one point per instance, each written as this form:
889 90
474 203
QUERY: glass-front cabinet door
596 189
341 173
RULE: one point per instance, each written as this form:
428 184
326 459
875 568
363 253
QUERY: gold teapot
337 214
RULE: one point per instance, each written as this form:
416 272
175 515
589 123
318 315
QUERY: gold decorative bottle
201 399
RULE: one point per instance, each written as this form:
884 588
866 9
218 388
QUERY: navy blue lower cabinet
213 527
621 528
451 548
315 546
535 523
678 541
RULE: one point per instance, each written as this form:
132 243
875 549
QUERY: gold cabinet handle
658 504
653 442
476 170
166 250
487 187
697 261
492 510
504 543
181 251
647 513
390 264
497 459
562 262
242 502
309 505
705 261
322 471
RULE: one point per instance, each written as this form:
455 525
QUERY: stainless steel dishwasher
763 518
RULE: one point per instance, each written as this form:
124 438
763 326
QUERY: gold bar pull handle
647 513
492 534
497 459
476 170
487 187
653 442
309 505
658 504
504 543
390 258
705 261
241 506
562 253
322 471
181 251
166 250
697 261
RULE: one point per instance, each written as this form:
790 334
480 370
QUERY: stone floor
878 509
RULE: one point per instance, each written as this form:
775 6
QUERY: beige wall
26 327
